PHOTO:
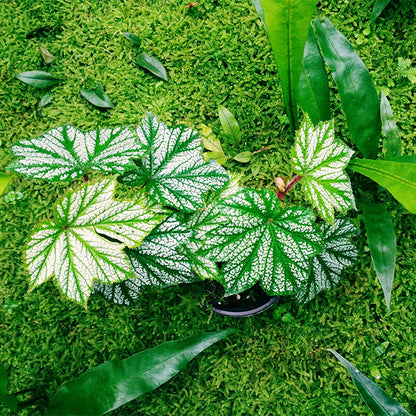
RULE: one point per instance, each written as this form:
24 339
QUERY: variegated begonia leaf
66 153
328 265
321 159
263 243
203 221
156 262
174 172
73 249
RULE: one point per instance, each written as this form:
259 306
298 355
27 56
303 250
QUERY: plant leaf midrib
385 173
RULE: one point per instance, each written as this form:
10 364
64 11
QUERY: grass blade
357 91
382 242
287 23
114 383
380 403
313 94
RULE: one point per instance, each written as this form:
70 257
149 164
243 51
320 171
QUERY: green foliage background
216 53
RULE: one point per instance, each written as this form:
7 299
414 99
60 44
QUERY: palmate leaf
73 249
174 172
263 243
156 262
321 159
65 153
328 265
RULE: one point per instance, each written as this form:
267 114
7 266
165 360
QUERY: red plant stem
289 186
263 149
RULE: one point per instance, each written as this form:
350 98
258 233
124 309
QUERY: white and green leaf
66 153
157 262
73 247
263 243
174 172
321 159
327 266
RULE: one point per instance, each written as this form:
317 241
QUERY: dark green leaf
287 23
392 144
229 125
96 96
153 65
45 100
134 39
38 79
46 55
114 383
357 91
379 6
4 181
243 157
313 92
8 400
399 178
380 403
382 242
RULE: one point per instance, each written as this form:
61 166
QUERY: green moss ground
217 53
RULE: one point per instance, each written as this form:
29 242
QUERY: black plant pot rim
242 305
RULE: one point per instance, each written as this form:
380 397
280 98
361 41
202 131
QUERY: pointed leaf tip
378 401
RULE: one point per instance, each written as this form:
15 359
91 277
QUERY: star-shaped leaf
73 247
327 265
156 262
174 172
321 159
263 243
65 153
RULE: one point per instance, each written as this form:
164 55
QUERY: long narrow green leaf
379 6
6 399
399 178
382 242
392 144
380 403
114 383
357 91
313 92
287 23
